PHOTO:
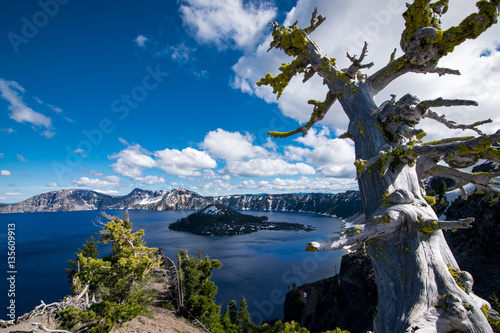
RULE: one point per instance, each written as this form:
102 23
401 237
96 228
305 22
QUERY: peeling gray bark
411 259
411 265
420 286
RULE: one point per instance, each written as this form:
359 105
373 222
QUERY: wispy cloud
21 158
96 173
109 181
180 53
226 22
52 185
48 134
56 109
141 40
12 92
81 152
123 141
7 130
150 180
50 106
92 172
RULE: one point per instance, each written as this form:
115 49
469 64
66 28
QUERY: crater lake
261 266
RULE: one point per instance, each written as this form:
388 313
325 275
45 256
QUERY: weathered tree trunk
420 287
413 265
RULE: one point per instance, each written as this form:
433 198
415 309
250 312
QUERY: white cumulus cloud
265 167
132 160
332 157
184 163
231 146
303 184
4 173
380 23
226 22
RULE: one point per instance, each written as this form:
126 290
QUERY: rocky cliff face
341 205
348 300
72 200
476 249
58 201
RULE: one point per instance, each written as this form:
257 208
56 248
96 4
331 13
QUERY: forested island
219 220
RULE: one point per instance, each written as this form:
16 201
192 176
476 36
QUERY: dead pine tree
420 286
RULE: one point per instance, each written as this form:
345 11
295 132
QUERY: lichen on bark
402 233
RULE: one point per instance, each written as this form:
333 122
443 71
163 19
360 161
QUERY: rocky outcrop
342 205
60 201
476 249
348 300
73 200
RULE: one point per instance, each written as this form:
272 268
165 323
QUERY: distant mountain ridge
342 205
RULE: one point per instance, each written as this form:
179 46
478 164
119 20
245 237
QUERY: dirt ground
165 321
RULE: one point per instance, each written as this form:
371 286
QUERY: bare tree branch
353 238
482 180
460 152
453 125
480 147
394 69
424 105
315 21
39 326
443 71
319 112
424 43
432 225
308 74
352 71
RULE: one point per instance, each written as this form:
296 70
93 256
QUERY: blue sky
112 95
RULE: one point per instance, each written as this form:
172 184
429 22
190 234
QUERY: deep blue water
261 266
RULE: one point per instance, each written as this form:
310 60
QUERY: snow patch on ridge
150 200
212 210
